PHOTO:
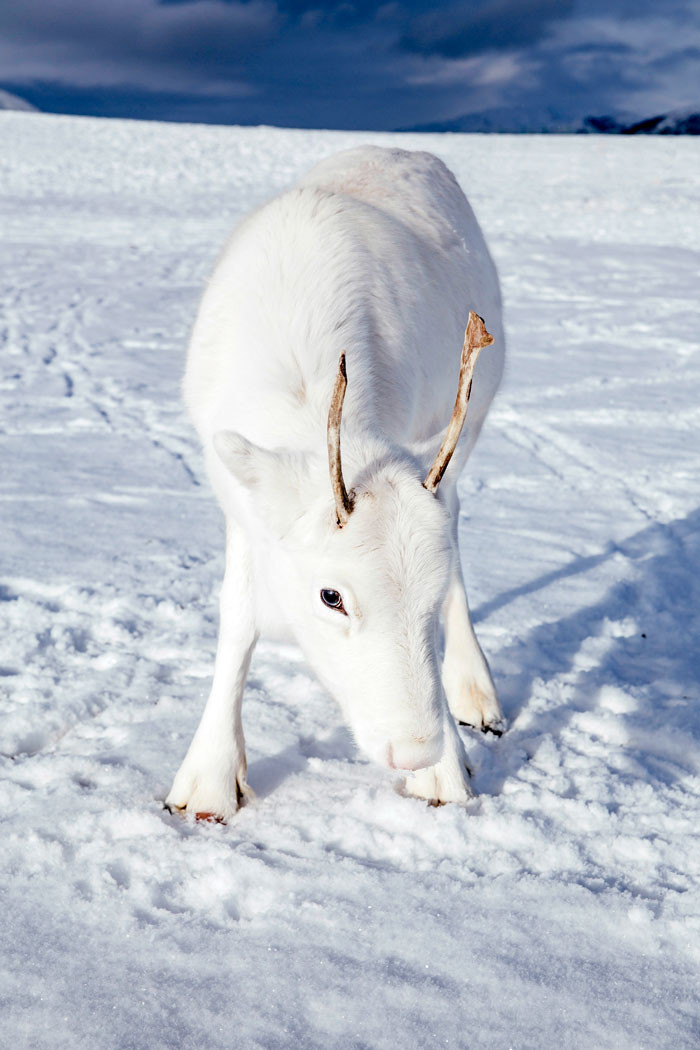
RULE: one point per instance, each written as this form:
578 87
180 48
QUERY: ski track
560 909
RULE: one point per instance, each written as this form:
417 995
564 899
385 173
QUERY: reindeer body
375 253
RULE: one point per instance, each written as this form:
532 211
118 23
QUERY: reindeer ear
277 481
247 462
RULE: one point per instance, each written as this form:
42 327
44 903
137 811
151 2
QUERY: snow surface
561 910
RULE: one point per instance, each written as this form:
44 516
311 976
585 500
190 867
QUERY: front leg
448 781
466 677
211 782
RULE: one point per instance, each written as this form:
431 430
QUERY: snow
561 909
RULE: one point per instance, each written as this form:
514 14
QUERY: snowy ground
562 910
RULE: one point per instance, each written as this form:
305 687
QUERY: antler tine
475 339
343 503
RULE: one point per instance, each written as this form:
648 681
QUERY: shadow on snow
649 623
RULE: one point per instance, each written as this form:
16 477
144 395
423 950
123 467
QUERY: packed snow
561 908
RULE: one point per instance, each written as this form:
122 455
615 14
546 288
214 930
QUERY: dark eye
333 599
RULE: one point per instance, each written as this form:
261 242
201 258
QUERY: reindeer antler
343 503
475 339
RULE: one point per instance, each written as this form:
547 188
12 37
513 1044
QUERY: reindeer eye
333 599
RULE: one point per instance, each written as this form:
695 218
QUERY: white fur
376 253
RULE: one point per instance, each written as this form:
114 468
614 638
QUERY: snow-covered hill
521 120
561 910
511 120
10 101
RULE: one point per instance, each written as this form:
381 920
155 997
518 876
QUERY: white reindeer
375 255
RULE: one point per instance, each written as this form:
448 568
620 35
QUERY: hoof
209 795
495 728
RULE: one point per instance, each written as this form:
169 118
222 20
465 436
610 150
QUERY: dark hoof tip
494 729
209 818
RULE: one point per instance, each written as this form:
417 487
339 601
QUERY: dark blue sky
350 65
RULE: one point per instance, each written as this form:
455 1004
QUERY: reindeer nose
416 753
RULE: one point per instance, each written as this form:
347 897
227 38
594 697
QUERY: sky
298 63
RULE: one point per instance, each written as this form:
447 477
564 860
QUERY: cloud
351 63
487 25
160 46
477 71
626 65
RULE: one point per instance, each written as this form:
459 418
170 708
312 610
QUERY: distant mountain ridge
677 122
507 119
514 120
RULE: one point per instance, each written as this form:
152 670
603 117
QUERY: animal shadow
649 623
